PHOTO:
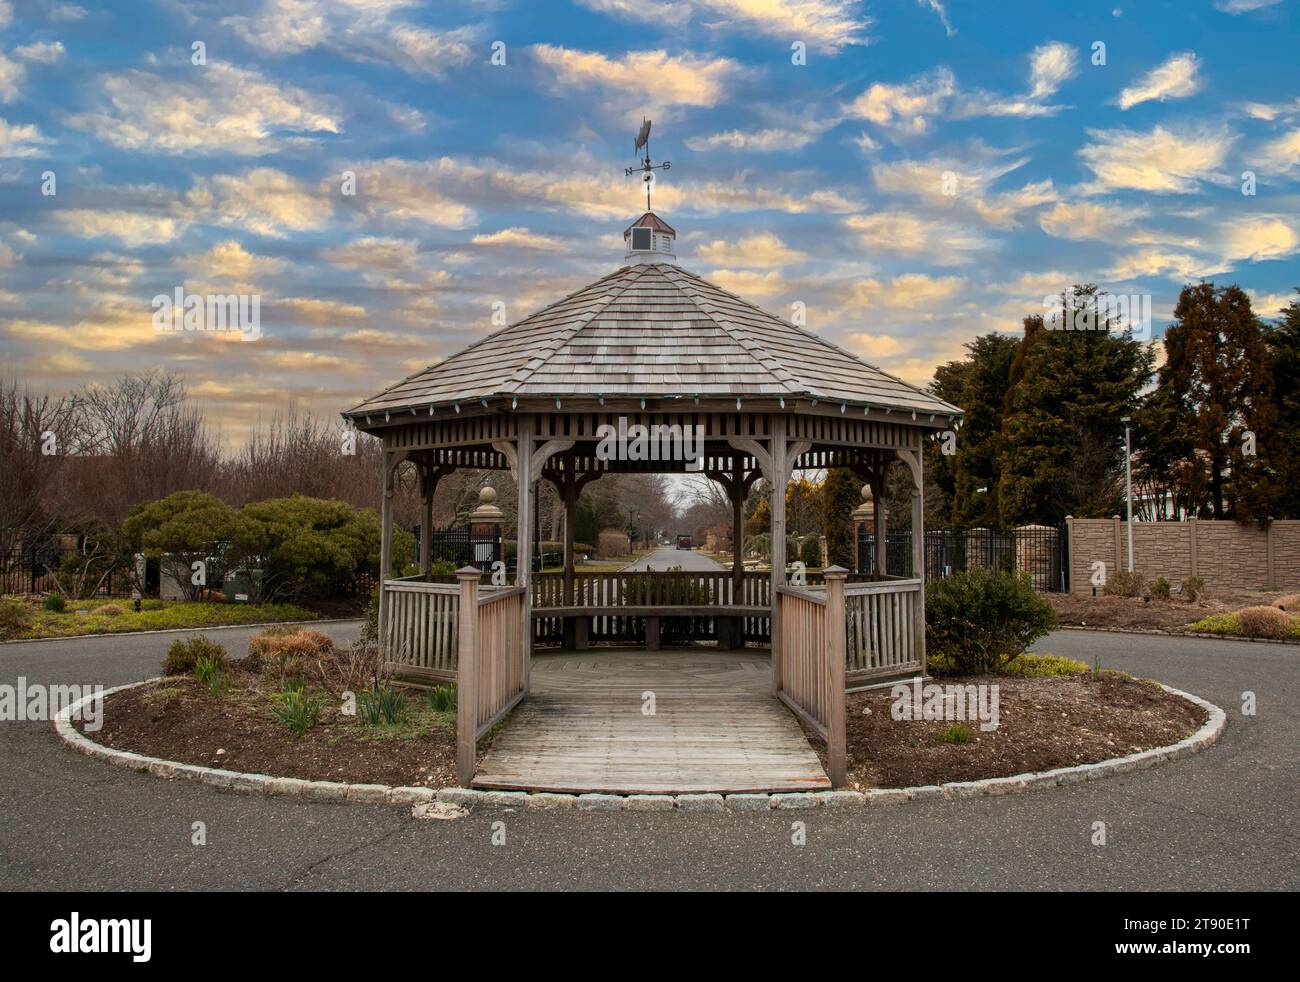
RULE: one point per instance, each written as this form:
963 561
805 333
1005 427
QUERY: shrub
612 544
1036 666
810 551
957 733
1289 602
207 667
1123 584
109 610
1193 588
442 698
1265 622
1160 588
184 654
1216 624
55 603
382 704
295 709
370 619
15 618
290 650
583 548
980 620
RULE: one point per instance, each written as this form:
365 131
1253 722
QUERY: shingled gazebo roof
653 330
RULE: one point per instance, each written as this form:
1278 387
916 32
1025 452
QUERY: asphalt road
1222 820
687 559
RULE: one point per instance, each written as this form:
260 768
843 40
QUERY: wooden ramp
715 727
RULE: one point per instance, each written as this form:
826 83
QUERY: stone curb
1209 732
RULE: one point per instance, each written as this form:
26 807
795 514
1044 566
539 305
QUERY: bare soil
1159 615
1044 723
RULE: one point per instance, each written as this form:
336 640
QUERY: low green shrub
55 603
957 733
1160 588
442 698
1123 584
15 618
295 709
1193 588
1216 624
980 620
184 653
382 705
1037 666
810 552
583 548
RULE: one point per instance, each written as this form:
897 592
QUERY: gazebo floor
715 727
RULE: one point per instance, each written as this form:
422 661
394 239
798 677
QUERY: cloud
1175 78
21 139
360 30
1080 220
825 25
966 184
1282 155
1260 238
768 140
906 106
219 109
677 80
907 233
42 52
519 238
1172 265
760 249
6 13
1050 65
229 262
1243 6
910 291
262 200
134 228
1163 161
314 310
375 253
749 283
11 78
942 14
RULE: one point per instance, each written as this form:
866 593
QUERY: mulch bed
178 719
1044 723
1049 722
1085 610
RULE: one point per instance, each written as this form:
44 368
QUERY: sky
913 172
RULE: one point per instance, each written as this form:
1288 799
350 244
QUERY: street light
1128 485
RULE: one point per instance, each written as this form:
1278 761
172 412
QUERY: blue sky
929 173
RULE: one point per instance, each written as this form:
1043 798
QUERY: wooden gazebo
654 345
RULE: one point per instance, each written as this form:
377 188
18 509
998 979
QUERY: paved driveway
1223 819
687 559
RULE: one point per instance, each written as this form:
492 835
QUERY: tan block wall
1224 554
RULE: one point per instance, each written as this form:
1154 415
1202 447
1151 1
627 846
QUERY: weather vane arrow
646 167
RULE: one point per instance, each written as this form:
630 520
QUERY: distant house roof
653 330
651 220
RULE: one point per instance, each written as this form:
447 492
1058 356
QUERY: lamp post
1128 485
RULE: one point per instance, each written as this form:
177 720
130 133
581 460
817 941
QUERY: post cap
835 571
465 572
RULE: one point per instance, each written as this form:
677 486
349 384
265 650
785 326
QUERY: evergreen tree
1283 341
1061 444
841 493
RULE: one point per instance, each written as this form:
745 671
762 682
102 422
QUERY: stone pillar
485 522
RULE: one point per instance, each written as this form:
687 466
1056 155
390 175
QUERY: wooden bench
579 617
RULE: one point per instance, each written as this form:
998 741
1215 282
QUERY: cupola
650 240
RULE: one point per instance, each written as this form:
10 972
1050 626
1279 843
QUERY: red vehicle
683 542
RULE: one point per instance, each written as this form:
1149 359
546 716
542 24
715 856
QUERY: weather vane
647 168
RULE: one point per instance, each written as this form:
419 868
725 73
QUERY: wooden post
467 655
780 477
879 528
385 551
427 484
836 644
1191 533
570 490
524 536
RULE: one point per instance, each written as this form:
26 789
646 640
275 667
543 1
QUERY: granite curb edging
266 784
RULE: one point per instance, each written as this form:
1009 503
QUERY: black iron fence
462 546
1039 550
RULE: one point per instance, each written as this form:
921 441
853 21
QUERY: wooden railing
810 657
886 629
491 667
420 627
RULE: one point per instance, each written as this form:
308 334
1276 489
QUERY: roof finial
647 168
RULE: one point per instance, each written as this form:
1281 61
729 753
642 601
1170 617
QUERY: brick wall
1224 554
